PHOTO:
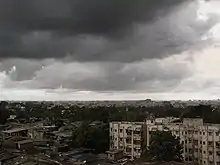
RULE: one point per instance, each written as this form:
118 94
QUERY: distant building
201 141
22 132
24 144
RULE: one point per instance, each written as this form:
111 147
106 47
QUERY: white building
201 141
127 136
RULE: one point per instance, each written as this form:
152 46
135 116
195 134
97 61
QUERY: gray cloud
81 16
148 75
104 30
24 69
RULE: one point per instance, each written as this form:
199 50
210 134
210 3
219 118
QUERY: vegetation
94 137
207 112
164 147
4 113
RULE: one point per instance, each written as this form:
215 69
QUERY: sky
109 49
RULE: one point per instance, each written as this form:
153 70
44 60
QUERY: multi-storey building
127 136
201 141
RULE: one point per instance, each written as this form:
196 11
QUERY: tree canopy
4 113
93 137
164 147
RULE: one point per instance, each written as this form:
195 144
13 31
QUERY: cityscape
102 133
109 82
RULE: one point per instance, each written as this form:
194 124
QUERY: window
217 144
203 133
121 130
204 162
210 143
210 152
204 152
200 133
190 158
200 142
111 129
218 163
115 130
128 149
210 133
115 139
217 133
203 143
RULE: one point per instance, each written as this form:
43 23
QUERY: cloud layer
106 47
104 30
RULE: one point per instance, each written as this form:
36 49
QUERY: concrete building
115 155
127 136
22 132
201 141
24 144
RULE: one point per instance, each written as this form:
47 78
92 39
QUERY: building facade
127 136
201 141
16 132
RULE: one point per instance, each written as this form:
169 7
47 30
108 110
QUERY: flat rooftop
24 142
15 130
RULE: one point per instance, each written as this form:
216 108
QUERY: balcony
137 146
217 144
129 129
137 137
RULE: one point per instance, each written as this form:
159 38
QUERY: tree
94 137
80 135
4 113
164 147
98 138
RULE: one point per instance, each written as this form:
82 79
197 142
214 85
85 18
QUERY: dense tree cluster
95 137
164 147
4 113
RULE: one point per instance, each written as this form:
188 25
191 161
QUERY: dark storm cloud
99 30
51 28
82 16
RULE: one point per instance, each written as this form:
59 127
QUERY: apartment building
201 141
127 136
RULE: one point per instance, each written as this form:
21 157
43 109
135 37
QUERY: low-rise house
115 155
24 144
22 132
